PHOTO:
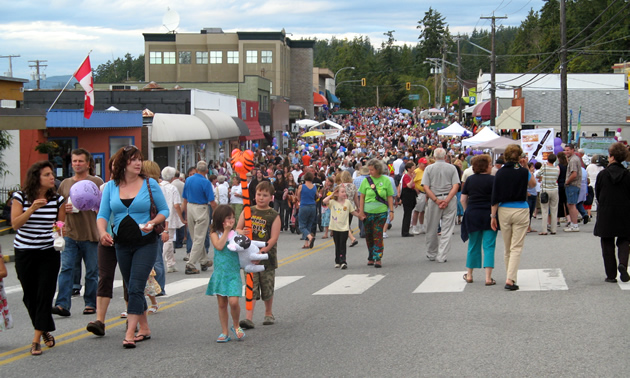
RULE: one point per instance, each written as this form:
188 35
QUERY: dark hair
92 169
480 163
409 165
570 145
308 176
551 158
619 151
538 165
562 158
121 159
212 177
265 186
32 182
218 216
81 151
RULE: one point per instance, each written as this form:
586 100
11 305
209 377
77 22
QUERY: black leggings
340 238
608 253
37 270
107 262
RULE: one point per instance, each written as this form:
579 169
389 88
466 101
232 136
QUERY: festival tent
455 129
306 122
497 145
482 136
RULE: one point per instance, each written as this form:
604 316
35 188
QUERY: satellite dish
171 20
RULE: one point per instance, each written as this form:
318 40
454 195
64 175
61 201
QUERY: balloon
301 147
85 195
255 145
557 149
468 151
311 149
274 141
306 145
557 141
619 130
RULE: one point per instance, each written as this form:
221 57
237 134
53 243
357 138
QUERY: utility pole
564 112
460 85
377 96
37 64
10 73
493 67
443 86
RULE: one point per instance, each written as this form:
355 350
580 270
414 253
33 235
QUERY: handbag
158 228
544 196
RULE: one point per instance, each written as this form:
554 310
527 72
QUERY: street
413 317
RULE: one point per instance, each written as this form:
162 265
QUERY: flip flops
140 337
492 282
238 331
465 277
223 338
355 242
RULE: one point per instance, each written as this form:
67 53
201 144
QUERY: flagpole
69 80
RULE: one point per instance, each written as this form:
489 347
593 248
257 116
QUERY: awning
510 119
332 98
22 119
319 100
220 124
176 129
482 110
241 126
255 131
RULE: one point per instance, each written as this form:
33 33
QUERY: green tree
121 69
5 142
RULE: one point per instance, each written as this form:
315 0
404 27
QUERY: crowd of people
381 160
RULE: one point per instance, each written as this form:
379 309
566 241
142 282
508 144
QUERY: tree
5 142
434 35
126 69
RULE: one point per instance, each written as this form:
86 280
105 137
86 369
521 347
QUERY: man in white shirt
296 172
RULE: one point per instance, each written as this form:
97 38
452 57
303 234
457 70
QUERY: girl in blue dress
226 281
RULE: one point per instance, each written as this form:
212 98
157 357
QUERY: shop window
185 57
169 57
232 57
155 57
252 56
59 152
266 56
116 143
202 57
216 57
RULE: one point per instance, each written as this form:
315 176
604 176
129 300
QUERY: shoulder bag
544 196
158 228
378 196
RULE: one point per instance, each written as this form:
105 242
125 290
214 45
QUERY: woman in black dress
476 200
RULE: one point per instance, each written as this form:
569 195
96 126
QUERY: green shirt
384 188
262 220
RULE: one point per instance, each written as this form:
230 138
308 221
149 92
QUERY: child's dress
226 277
6 321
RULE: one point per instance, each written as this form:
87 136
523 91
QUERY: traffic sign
447 99
414 97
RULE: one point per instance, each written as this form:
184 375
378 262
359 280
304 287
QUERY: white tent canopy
482 136
497 145
326 122
510 118
455 129
306 122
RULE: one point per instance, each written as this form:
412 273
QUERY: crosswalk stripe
541 280
442 282
624 285
351 284
281 281
186 284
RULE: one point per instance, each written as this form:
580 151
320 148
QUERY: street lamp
337 73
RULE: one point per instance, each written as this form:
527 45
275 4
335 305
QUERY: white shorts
421 202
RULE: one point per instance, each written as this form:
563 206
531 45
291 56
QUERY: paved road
413 317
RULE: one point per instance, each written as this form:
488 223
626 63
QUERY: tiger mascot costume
243 162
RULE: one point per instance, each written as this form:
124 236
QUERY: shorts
573 193
421 202
264 283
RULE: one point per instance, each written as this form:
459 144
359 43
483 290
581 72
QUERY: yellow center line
115 322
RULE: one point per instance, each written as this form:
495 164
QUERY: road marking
442 282
351 284
186 284
18 288
623 285
281 281
541 280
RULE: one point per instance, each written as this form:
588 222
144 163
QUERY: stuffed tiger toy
243 162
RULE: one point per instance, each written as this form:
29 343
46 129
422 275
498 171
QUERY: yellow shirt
417 180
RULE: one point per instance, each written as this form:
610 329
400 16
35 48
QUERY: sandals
492 282
542 233
89 311
355 242
129 344
123 315
153 309
238 333
49 340
311 243
377 264
223 338
465 277
36 349
96 327
140 338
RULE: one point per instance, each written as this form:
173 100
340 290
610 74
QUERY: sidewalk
6 242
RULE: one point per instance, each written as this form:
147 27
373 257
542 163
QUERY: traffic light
363 82
408 86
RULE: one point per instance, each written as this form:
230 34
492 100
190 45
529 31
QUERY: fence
4 194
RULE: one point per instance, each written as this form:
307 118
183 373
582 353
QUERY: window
202 57
232 57
252 56
155 57
216 57
266 57
260 103
185 57
169 57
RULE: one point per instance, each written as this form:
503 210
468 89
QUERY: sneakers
172 269
192 270
586 219
337 265
423 229
385 236
269 320
415 230
207 265
187 257
344 266
571 229
246 324
76 292
623 273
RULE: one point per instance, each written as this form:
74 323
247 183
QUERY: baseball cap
278 172
405 158
423 161
248 174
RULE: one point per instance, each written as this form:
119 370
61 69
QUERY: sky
63 32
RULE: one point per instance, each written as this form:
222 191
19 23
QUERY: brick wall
301 79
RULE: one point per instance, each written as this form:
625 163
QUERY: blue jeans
181 233
160 274
308 215
135 263
77 250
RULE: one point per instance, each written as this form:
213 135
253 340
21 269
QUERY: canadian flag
84 76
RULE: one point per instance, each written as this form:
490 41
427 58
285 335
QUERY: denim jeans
179 240
77 250
160 274
308 215
135 264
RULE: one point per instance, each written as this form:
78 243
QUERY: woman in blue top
509 202
127 197
307 193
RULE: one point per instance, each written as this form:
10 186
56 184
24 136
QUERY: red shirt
306 160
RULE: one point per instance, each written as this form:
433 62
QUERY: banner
537 143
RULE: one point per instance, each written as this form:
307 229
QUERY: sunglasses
130 148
